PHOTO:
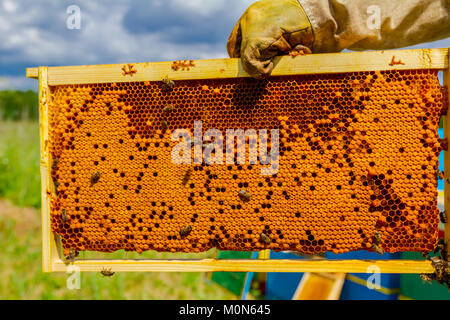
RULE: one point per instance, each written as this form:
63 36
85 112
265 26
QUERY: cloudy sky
34 33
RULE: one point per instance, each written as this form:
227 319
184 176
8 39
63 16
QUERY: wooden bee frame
215 69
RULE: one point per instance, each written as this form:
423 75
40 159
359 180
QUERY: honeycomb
357 167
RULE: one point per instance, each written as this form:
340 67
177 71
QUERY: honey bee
95 178
56 184
427 277
377 238
440 175
444 144
64 215
164 124
442 249
70 258
185 231
377 249
264 238
167 83
107 272
244 195
168 108
186 177
439 267
55 163
443 217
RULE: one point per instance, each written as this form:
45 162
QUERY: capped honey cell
356 166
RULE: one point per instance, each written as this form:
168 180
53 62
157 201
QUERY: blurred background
35 33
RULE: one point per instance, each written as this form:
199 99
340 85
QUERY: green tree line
18 105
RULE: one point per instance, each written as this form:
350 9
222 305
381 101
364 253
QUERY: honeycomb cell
357 168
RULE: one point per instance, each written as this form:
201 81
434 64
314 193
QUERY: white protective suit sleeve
376 24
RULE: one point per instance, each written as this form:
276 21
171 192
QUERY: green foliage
19 105
19 163
22 276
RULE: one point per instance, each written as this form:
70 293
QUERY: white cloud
34 33
9 6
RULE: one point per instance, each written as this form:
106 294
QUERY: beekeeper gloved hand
272 27
269 28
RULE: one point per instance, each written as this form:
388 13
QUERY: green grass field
20 258
19 163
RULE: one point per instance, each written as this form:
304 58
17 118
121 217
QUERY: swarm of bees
183 65
95 178
107 272
128 69
185 231
395 62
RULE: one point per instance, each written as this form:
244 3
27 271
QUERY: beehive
357 167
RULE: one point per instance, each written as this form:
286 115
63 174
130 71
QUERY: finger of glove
234 42
257 65
303 48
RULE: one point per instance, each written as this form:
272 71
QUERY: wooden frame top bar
231 68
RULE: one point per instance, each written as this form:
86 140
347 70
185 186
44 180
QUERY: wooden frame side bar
250 265
447 157
231 68
47 242
49 246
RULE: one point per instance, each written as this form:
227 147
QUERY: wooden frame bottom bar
214 265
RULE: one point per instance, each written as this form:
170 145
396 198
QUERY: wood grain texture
256 265
231 68
47 241
447 161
